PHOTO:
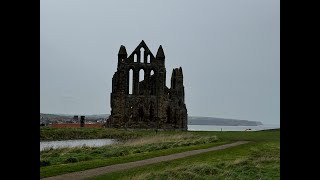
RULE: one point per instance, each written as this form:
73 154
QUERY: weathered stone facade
150 104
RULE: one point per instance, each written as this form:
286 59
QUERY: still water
76 143
103 142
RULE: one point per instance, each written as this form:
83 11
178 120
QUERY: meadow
259 159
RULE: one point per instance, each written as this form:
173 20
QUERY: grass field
49 134
259 159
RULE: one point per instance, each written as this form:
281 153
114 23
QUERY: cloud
68 99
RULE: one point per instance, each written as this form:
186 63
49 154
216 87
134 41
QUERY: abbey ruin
140 98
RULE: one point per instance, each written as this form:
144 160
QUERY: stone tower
149 103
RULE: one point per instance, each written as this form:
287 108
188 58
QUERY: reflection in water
76 143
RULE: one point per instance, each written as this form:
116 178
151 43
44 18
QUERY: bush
123 153
85 158
111 154
44 163
97 151
71 160
137 151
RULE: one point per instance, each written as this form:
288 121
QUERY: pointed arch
135 58
130 81
148 58
142 53
141 74
141 81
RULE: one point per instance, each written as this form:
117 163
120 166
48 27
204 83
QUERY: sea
232 128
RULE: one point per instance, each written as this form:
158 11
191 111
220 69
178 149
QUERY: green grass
67 160
146 144
140 145
260 159
80 166
49 134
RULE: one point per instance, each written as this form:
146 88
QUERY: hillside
192 120
221 121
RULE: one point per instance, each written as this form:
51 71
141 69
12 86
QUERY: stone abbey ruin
149 103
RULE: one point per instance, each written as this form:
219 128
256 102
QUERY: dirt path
124 166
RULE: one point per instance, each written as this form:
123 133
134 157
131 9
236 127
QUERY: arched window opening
148 58
130 78
152 72
141 81
142 55
141 75
135 58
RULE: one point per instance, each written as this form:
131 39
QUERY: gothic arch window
148 58
142 55
141 75
141 78
130 80
135 58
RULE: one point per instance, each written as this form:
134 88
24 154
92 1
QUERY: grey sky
229 51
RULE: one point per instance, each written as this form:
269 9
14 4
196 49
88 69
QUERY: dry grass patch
159 139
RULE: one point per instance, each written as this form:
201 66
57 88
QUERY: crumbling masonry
149 103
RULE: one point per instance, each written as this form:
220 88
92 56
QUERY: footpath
124 166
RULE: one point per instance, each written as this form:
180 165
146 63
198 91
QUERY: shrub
44 163
71 160
85 158
123 153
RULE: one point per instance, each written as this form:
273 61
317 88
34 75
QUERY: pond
76 143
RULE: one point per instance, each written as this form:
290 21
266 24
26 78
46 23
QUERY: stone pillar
82 120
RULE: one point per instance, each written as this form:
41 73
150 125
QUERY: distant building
149 103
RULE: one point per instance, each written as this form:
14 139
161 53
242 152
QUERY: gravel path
124 166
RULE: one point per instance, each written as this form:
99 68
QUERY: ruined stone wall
150 104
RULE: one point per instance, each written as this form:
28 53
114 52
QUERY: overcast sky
229 51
